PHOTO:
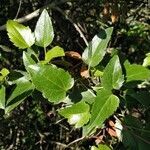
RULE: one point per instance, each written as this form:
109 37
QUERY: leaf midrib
100 112
52 82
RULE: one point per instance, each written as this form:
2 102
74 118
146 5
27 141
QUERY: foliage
112 91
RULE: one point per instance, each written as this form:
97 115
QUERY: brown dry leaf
84 72
114 18
111 132
73 54
99 139
106 10
111 128
111 123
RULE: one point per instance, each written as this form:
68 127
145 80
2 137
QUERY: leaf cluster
114 87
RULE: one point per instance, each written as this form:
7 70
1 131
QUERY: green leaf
136 72
129 141
27 60
142 97
77 114
94 148
105 104
79 93
96 49
2 97
88 96
143 145
3 73
34 53
22 90
136 136
44 33
51 81
147 61
53 53
97 71
100 147
112 77
20 35
133 123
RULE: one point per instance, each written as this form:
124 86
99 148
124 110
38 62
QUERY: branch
74 24
36 13
75 141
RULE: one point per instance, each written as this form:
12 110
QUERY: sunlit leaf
77 114
44 33
27 60
100 147
3 73
105 104
51 81
147 60
20 35
2 97
53 53
96 49
136 72
112 76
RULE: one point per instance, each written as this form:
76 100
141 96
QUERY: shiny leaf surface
105 104
112 77
51 81
20 35
44 33
96 49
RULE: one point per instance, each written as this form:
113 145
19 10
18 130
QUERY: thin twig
36 13
58 143
75 141
74 24
18 9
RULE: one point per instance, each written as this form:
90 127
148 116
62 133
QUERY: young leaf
3 73
136 72
53 53
77 114
20 35
88 96
147 61
22 90
27 60
44 33
112 77
2 97
105 104
96 49
51 81
100 147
